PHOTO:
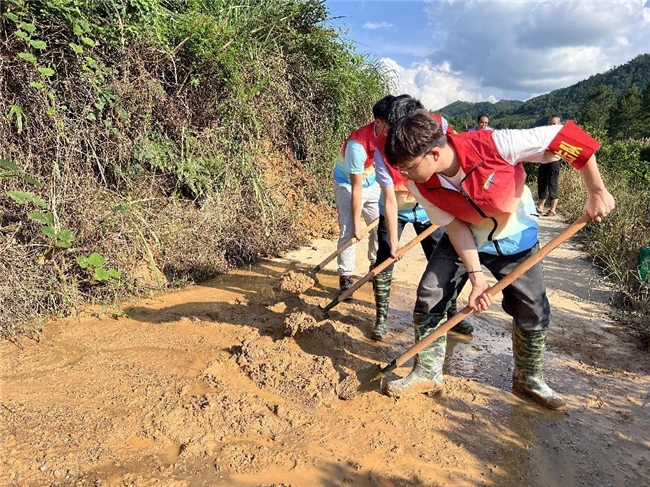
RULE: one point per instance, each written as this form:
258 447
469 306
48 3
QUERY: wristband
474 272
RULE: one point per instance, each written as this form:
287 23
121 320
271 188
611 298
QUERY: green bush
614 244
187 135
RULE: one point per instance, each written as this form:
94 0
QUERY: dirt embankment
240 382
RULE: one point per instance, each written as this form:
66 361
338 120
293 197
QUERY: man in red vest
397 208
356 191
474 185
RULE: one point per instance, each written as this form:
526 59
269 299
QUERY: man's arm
390 215
357 185
387 186
463 241
355 158
599 201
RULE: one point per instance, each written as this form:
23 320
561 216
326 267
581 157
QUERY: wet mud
243 381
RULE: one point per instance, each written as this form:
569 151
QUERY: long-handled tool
365 231
493 290
379 268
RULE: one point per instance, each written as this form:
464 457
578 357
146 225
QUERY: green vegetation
615 243
569 103
464 114
150 143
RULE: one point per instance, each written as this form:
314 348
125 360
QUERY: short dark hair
478 119
402 106
380 109
413 136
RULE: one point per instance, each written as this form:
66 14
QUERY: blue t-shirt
353 163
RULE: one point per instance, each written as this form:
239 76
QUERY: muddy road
237 382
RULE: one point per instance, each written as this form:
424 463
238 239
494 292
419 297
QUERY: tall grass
614 244
177 136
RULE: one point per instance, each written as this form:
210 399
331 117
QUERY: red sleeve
574 145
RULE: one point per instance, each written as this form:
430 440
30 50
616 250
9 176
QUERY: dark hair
478 119
402 106
380 109
413 136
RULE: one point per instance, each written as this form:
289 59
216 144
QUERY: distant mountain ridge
567 102
474 109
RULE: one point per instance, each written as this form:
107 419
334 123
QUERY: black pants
428 244
548 180
525 299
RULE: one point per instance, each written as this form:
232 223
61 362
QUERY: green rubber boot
528 349
381 285
426 375
463 326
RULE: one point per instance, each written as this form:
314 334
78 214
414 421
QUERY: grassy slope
175 140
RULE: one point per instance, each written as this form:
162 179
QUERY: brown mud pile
239 382
295 282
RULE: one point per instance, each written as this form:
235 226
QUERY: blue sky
441 51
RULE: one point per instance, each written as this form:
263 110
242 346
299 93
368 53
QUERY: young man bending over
474 184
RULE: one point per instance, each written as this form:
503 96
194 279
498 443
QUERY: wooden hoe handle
380 268
568 232
352 241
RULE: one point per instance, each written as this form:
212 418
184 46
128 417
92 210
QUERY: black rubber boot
463 326
426 375
345 283
381 285
528 349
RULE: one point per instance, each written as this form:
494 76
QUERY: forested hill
462 108
567 102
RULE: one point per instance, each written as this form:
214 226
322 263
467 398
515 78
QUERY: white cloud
434 86
622 40
377 25
519 49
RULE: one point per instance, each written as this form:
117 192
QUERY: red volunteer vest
491 186
366 137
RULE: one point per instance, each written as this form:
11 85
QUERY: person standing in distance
548 181
482 123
